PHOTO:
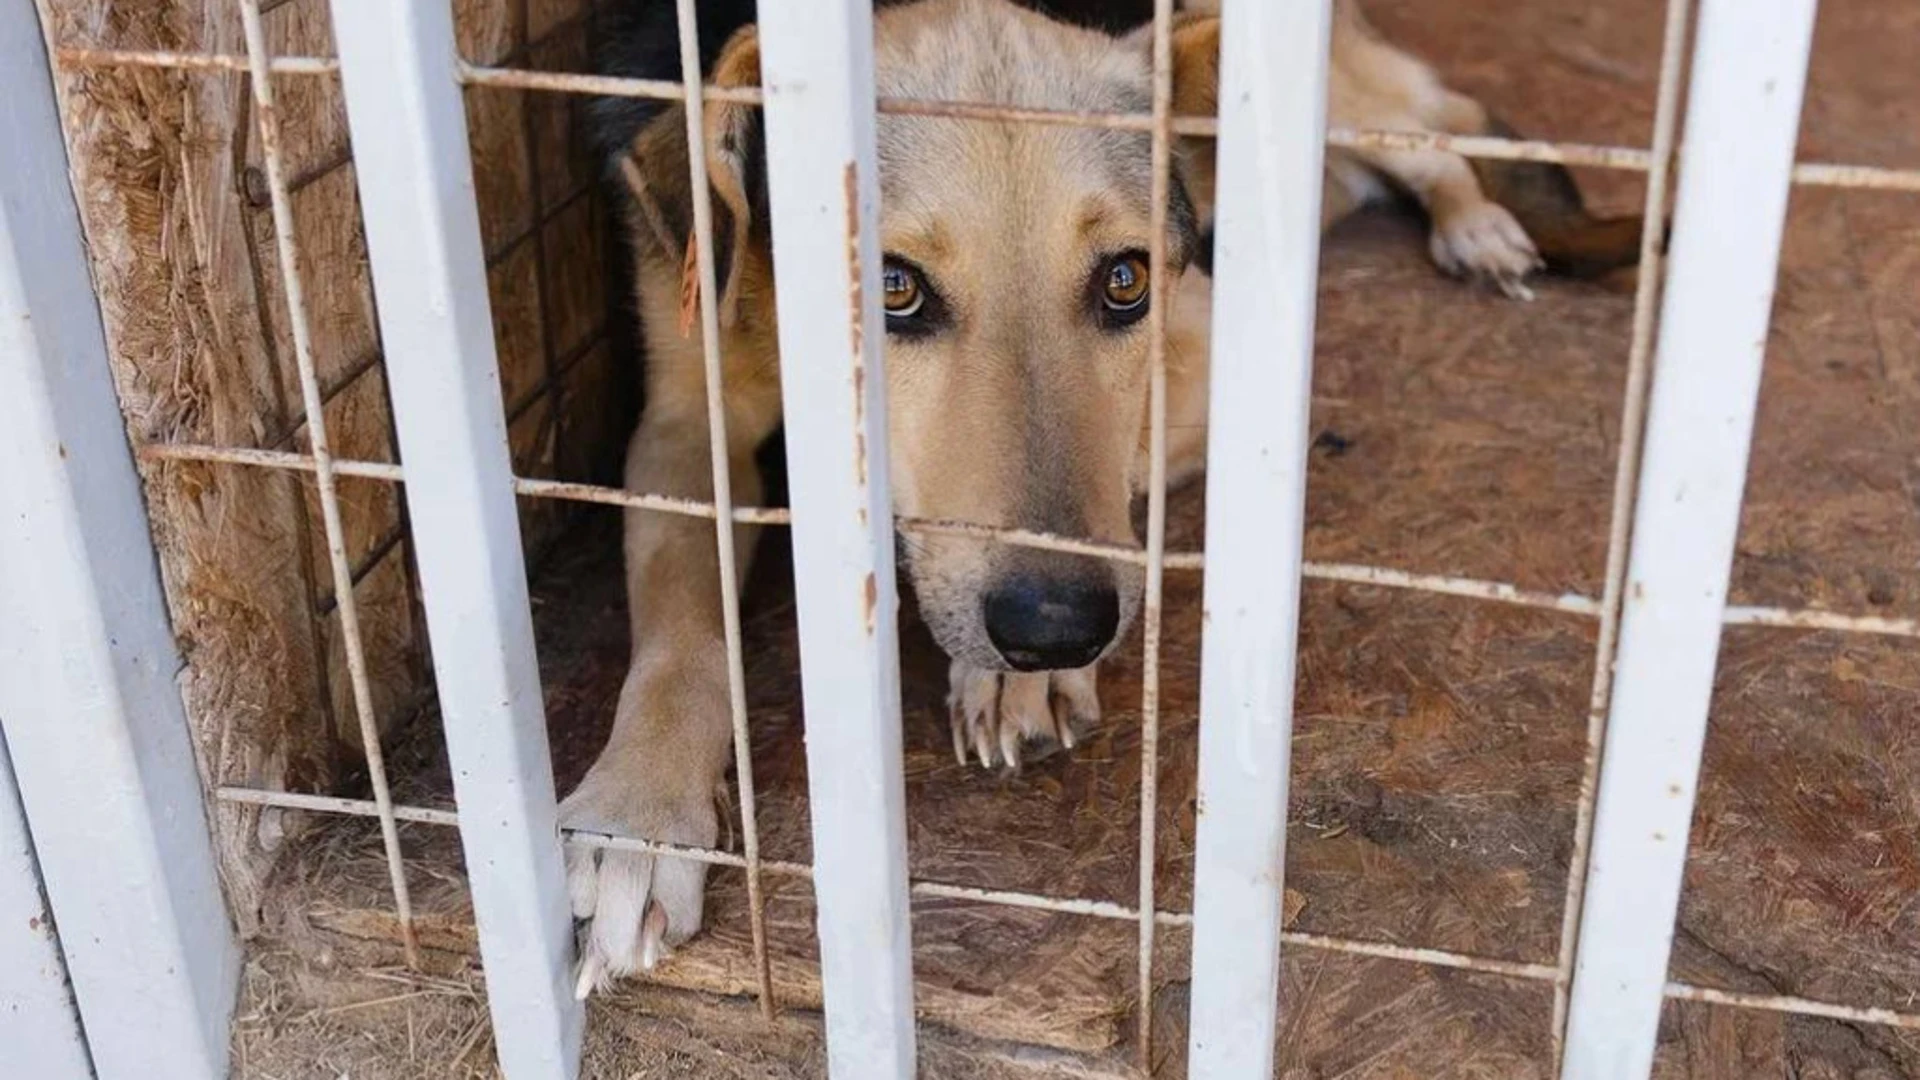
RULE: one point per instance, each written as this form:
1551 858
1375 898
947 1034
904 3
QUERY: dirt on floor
1439 740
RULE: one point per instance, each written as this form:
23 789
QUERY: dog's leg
1011 718
1472 235
1374 85
665 763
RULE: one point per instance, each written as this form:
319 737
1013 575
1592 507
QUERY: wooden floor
1439 740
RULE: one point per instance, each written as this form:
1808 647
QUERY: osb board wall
168 171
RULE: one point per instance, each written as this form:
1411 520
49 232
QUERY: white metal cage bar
1749 72
1273 67
1626 476
416 190
93 721
1160 161
824 187
39 1022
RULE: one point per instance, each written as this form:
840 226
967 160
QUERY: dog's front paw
635 906
1483 240
1021 716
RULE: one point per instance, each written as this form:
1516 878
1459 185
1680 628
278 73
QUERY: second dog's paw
1484 241
1007 717
634 906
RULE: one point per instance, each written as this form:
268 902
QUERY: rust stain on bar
856 331
850 180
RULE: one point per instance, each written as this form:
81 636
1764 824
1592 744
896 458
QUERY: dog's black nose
1039 624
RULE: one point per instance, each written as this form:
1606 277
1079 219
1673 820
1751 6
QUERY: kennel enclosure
1691 389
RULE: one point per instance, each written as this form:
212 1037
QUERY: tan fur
1025 412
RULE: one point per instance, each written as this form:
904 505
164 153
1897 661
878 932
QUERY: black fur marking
1203 251
1114 17
754 155
640 39
1184 221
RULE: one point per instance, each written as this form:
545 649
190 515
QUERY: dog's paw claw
633 907
1487 243
1013 718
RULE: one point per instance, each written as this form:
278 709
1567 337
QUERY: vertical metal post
1160 167
39 1023
1266 253
93 721
817 69
1749 71
1626 479
400 69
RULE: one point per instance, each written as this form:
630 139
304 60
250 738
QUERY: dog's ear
736 163
1196 92
1196 65
655 170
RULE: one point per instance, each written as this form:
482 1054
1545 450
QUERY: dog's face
1016 290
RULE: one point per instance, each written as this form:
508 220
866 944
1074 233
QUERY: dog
1015 288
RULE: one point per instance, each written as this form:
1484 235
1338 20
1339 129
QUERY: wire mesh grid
1161 125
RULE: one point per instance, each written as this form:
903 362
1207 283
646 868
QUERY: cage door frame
1743 119
93 720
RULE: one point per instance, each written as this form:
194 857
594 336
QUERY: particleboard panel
359 426
156 164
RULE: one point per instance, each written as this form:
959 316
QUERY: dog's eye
901 291
1125 290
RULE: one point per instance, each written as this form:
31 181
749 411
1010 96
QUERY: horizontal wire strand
1350 573
1622 158
1098 909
